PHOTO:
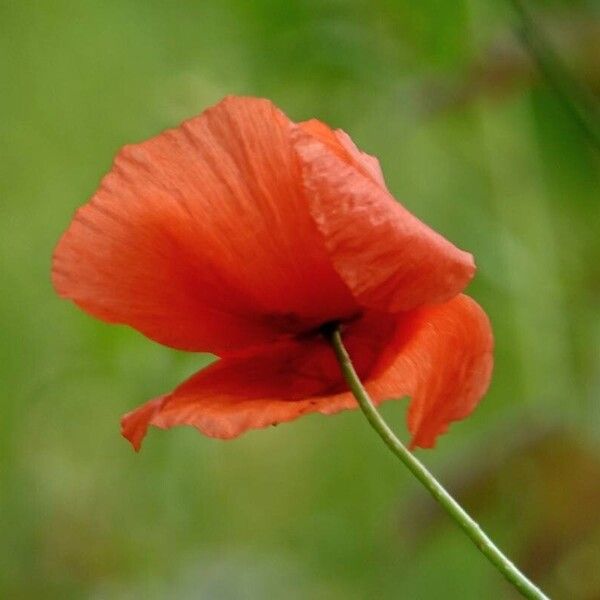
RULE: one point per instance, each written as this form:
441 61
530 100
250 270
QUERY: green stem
463 520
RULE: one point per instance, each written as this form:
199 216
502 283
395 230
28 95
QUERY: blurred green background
470 138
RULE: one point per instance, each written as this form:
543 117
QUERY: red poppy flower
242 233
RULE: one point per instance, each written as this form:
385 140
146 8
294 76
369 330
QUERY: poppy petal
440 355
135 424
341 144
236 394
389 259
201 239
276 384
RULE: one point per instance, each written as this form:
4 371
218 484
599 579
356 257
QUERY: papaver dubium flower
243 234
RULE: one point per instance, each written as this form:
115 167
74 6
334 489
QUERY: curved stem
458 514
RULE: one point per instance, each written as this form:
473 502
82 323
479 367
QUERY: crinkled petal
390 260
201 239
439 355
341 144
